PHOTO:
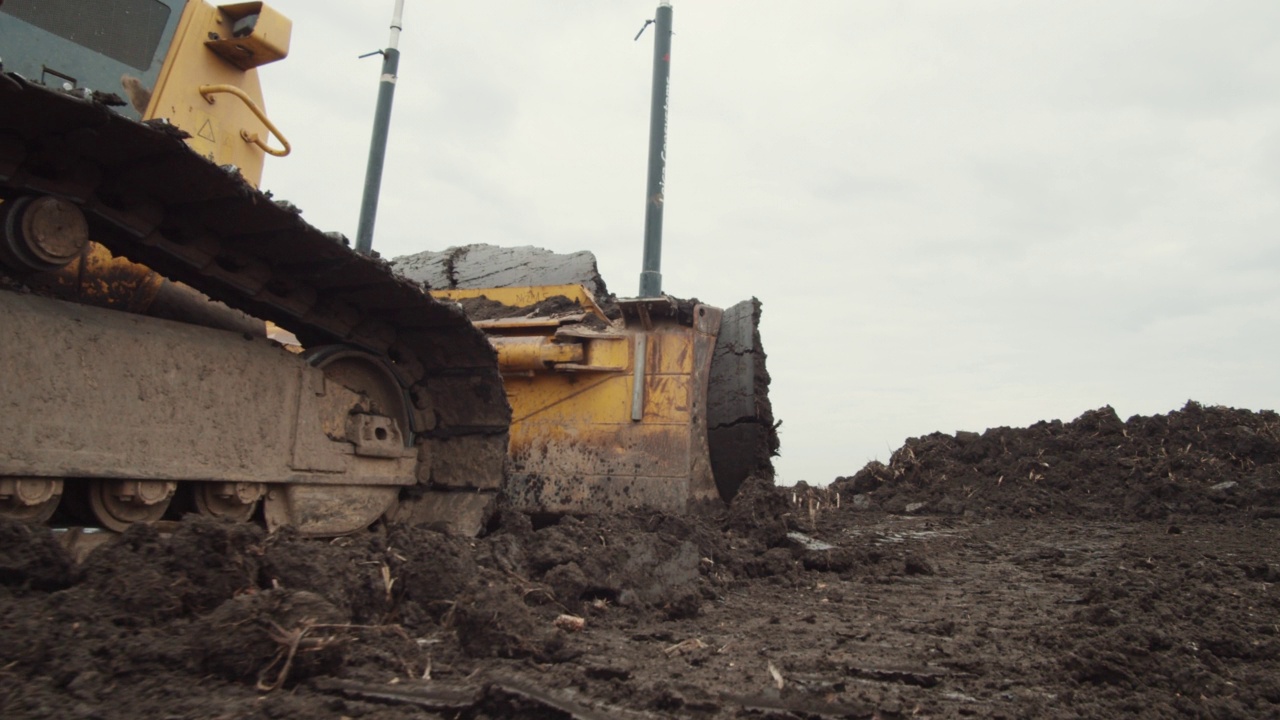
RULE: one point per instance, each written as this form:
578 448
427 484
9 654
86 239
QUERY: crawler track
153 200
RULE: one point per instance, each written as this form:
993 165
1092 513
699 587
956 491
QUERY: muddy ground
1092 568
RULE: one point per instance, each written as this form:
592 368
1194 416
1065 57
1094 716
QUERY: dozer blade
618 403
741 431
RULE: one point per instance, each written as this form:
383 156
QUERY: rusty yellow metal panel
553 399
216 123
611 353
667 398
584 436
670 352
604 397
574 444
96 277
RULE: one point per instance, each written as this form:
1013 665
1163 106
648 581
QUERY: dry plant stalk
685 646
776 675
291 642
387 581
570 623
295 641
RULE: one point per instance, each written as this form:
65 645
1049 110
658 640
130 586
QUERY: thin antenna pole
650 274
381 127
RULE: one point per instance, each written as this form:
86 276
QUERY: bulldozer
145 280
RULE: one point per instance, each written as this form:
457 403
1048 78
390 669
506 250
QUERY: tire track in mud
941 619
945 630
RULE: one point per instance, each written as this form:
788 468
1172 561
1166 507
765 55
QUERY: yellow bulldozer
141 269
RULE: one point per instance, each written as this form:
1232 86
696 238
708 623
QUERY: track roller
117 504
30 500
227 500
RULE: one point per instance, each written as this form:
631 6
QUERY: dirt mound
1200 461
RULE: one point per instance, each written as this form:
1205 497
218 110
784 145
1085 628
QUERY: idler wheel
41 233
379 429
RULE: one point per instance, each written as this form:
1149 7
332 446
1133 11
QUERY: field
1091 568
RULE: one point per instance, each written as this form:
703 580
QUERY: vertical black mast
378 145
650 274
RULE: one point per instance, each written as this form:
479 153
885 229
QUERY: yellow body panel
610 353
216 123
267 42
579 442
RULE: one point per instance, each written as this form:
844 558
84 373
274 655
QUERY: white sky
957 215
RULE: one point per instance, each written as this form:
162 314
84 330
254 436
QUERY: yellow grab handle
207 90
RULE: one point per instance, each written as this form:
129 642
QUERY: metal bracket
375 436
637 380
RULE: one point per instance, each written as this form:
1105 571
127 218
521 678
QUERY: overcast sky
957 215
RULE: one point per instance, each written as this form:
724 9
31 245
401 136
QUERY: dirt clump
271 637
150 577
32 560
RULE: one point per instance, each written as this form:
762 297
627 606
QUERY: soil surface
1094 568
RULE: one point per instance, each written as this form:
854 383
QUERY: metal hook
647 23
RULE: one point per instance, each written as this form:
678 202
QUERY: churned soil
1092 568
1198 461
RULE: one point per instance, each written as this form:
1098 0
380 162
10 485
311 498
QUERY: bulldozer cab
191 64
89 44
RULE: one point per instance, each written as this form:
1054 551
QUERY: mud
482 308
491 266
1128 577
741 431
